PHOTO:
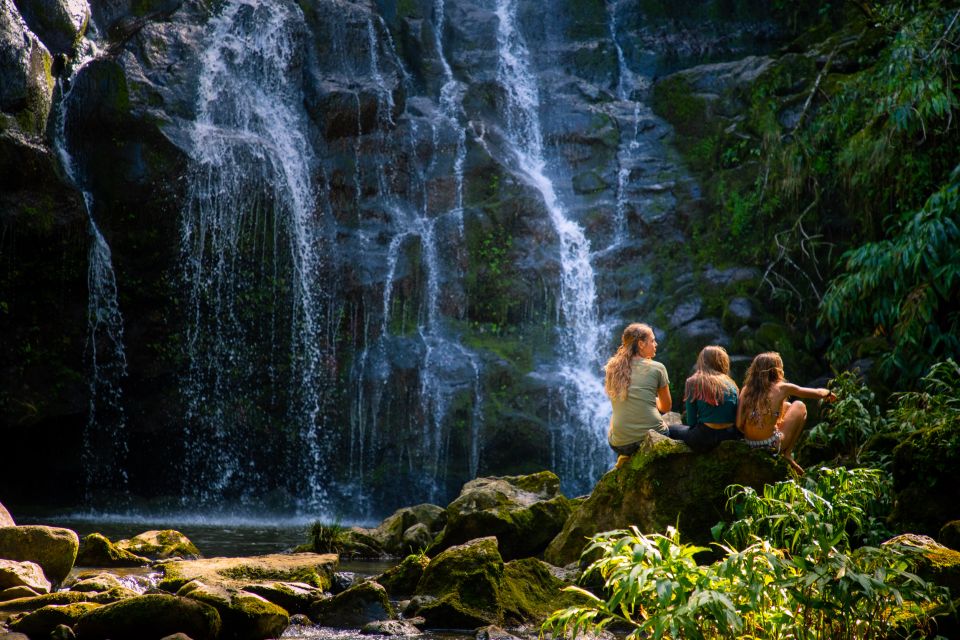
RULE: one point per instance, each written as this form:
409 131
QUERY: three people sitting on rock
716 410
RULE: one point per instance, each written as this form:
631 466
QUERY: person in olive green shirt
638 387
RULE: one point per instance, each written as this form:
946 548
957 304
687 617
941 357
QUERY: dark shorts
702 438
630 449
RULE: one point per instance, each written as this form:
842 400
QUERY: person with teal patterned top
710 401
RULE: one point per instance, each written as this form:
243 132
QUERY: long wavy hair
618 367
765 370
711 378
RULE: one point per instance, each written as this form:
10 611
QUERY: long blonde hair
765 370
711 379
618 367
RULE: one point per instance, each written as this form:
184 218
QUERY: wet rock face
26 73
59 23
396 110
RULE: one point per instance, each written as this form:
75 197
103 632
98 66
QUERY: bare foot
622 460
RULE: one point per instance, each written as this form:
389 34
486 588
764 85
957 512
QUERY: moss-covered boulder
53 548
23 574
665 484
150 616
95 582
405 530
12 593
10 608
465 580
933 561
96 550
531 591
402 579
245 616
925 478
312 568
362 603
42 622
295 597
524 513
469 586
160 545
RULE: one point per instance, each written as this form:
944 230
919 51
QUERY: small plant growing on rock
327 537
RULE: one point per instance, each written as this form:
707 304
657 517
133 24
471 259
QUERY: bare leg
792 425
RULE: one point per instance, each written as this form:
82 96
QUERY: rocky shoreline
498 557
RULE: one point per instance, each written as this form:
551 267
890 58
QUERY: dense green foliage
840 180
790 574
854 428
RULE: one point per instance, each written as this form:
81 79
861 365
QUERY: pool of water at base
213 535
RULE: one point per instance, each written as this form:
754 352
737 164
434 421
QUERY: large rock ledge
665 484
313 569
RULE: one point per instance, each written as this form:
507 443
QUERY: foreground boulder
469 586
362 603
294 597
665 484
53 548
42 622
524 513
245 616
150 617
160 545
313 569
96 550
940 565
23 574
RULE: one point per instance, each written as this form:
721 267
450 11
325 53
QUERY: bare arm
807 392
664 401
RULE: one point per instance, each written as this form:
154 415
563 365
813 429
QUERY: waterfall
581 435
104 438
254 255
451 104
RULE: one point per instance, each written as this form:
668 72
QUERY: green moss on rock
43 621
96 550
161 614
402 579
245 616
665 484
358 605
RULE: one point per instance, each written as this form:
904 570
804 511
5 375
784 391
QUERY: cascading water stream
252 244
451 105
105 446
581 436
